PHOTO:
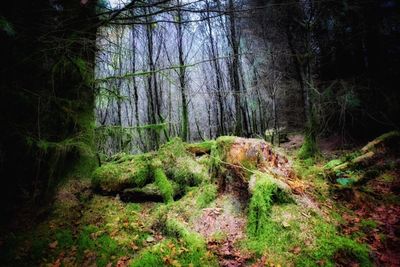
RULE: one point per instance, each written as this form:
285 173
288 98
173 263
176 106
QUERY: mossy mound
125 173
180 165
266 191
172 169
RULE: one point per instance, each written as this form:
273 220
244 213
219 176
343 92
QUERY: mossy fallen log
171 165
116 176
365 164
179 165
163 184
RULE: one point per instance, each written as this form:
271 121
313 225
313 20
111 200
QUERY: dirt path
222 226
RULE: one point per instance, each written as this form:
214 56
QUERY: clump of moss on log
172 169
115 176
179 165
201 148
365 164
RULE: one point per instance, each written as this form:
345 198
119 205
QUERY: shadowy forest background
83 80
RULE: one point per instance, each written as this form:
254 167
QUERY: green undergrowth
309 149
102 230
188 208
179 165
292 235
87 229
312 171
331 247
265 193
181 248
363 168
289 233
206 195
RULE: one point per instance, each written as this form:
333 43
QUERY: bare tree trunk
152 85
182 78
218 74
135 87
234 69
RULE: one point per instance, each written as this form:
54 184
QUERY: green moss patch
163 185
181 248
175 165
265 193
201 148
116 176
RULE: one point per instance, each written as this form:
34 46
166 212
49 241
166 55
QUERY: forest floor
230 202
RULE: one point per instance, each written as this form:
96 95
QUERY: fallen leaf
123 262
53 245
134 246
57 263
296 250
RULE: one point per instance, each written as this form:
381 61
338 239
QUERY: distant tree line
207 68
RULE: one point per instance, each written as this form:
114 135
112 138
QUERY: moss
149 258
284 229
64 238
333 163
201 148
186 172
316 239
387 177
128 171
218 153
368 225
172 252
314 173
390 140
179 165
122 157
116 176
181 248
204 160
330 247
105 248
309 148
207 195
175 147
226 140
163 184
265 193
68 201
389 135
